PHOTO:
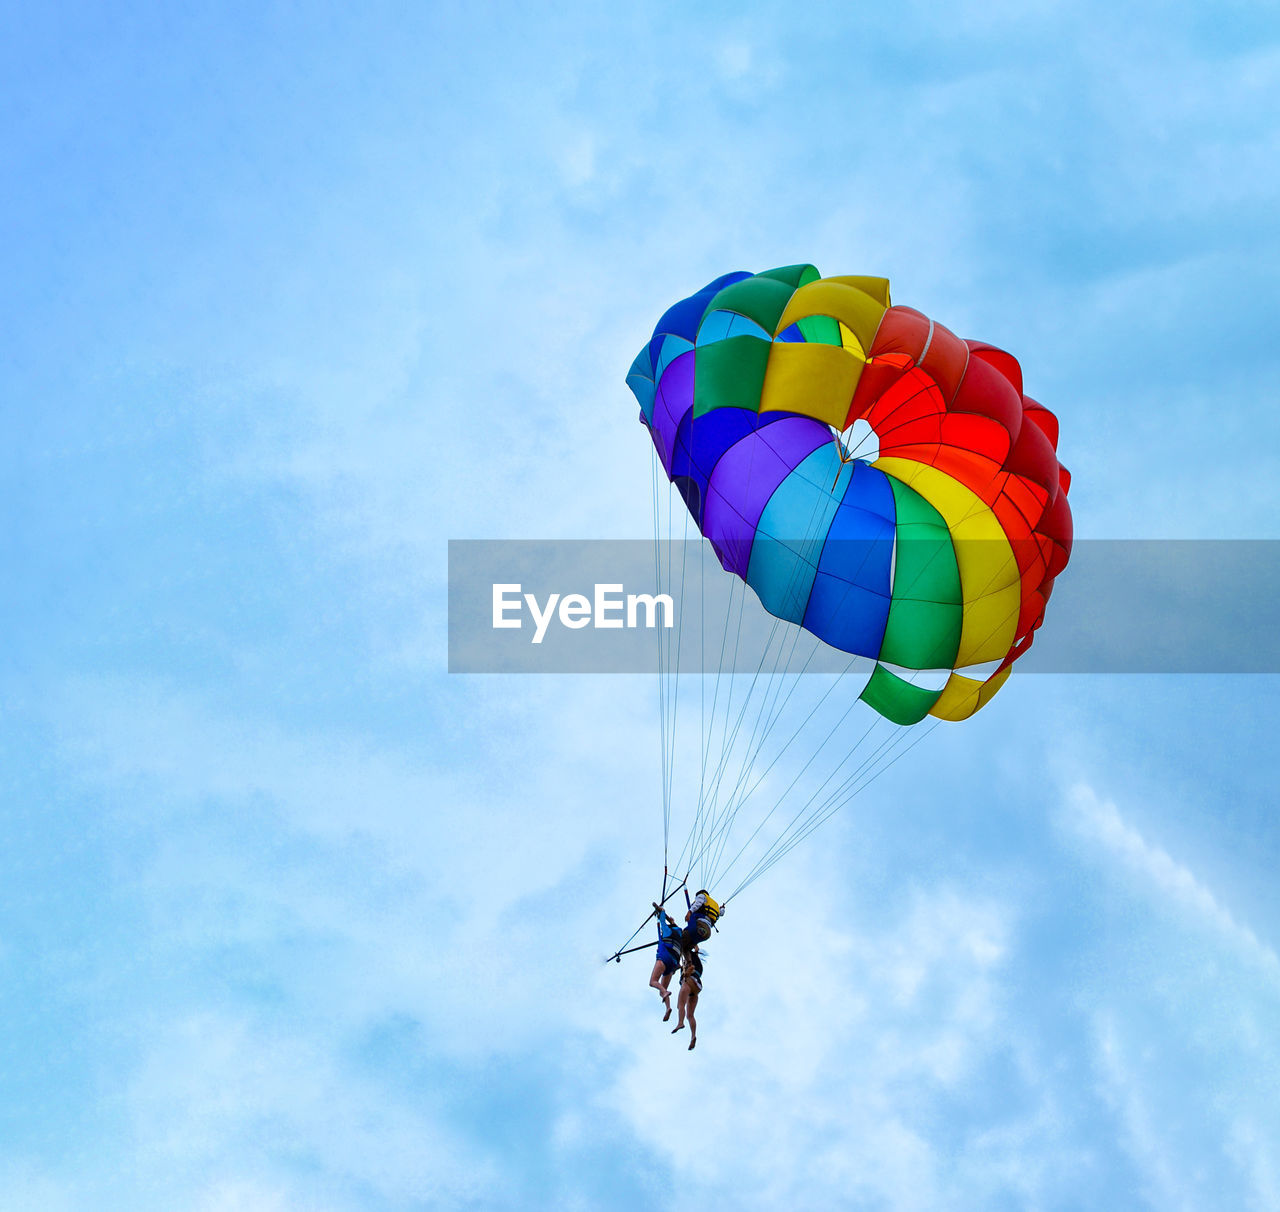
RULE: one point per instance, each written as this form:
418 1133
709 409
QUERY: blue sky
291 918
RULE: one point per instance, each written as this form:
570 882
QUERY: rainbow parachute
871 476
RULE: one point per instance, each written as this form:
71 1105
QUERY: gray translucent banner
1121 606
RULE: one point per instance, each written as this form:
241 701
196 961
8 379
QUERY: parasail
879 484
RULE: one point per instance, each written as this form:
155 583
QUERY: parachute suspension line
800 773
865 773
770 713
675 690
717 813
826 694
702 669
720 819
726 743
739 797
715 821
710 811
819 819
668 737
724 837
665 583
669 669
662 704
718 780
709 808
717 858
815 823
668 666
698 821
724 832
708 730
724 640
781 842
722 794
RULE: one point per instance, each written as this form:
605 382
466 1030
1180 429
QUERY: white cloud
246 1195
1165 1188
1150 1078
1252 1147
1174 1002
239 1110
24 1186
734 59
828 1041
334 885
1099 822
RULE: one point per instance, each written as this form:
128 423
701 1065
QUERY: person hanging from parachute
703 914
690 989
670 953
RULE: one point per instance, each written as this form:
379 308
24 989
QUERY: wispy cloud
836 1051
1163 1185
1100 823
1175 1017
218 1098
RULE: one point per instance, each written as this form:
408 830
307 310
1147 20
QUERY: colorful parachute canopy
871 476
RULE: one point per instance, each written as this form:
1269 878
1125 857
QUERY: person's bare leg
681 1003
693 1022
659 980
